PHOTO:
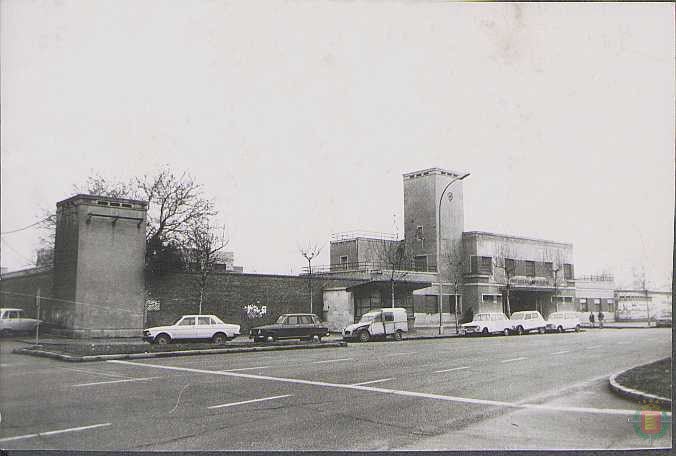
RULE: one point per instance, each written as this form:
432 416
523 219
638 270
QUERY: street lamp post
441 199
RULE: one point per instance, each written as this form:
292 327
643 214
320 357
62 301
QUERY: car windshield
517 316
370 316
281 319
178 319
482 317
556 316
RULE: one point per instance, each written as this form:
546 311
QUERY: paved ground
537 391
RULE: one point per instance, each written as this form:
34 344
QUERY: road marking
60 431
593 347
372 381
244 369
513 359
440 397
561 352
402 353
124 380
332 360
249 402
449 370
103 374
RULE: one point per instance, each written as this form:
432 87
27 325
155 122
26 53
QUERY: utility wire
25 227
30 262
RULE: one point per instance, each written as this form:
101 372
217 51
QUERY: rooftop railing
350 235
369 266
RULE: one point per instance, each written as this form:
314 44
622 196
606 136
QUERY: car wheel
560 329
364 336
319 338
271 339
519 330
577 328
162 339
484 332
219 338
397 335
506 332
541 330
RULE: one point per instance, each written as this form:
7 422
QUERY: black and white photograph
373 226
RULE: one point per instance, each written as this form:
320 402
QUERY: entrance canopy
385 285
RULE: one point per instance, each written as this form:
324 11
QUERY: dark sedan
291 326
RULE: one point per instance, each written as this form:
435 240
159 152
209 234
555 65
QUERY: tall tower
98 266
422 193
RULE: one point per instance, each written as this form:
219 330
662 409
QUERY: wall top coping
93 199
432 171
470 234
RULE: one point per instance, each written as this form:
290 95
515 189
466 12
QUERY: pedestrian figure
601 316
591 319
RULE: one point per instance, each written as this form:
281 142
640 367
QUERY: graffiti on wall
253 311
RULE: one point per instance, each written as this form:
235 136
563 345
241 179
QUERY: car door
291 327
388 321
184 329
204 329
306 326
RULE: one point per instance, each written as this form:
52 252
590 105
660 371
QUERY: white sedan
193 327
563 321
487 323
13 321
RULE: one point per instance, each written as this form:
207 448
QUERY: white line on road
103 374
244 369
249 402
513 359
593 347
372 381
60 431
402 353
124 380
561 352
449 370
332 360
464 400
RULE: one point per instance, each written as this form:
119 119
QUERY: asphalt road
531 392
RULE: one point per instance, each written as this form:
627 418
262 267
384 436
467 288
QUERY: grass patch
654 378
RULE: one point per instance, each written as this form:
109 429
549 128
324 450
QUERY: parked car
663 319
291 326
192 327
487 323
563 321
13 321
391 322
526 321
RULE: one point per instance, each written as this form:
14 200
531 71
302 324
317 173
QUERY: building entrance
530 300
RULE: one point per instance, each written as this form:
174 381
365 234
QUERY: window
486 265
530 268
568 271
203 320
510 265
549 269
583 301
419 233
214 321
305 320
292 320
187 321
389 316
421 263
343 261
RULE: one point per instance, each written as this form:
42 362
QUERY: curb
633 394
214 351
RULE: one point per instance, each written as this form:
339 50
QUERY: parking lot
536 391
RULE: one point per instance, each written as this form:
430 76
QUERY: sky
299 118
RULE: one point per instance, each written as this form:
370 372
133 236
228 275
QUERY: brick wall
229 294
19 292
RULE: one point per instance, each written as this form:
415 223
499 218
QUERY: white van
378 323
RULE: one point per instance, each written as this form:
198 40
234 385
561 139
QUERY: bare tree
554 258
394 257
203 250
641 282
504 261
309 251
455 266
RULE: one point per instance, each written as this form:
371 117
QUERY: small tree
455 265
203 252
394 257
641 282
504 261
554 258
309 252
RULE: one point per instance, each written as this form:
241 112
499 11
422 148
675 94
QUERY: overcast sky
299 118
